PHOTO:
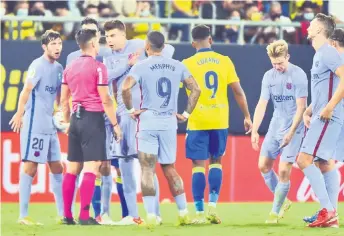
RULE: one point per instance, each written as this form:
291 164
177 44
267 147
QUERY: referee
86 80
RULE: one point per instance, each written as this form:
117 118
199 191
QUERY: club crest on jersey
289 86
59 76
36 154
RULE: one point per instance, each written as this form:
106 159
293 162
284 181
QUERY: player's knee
92 167
198 163
105 168
284 175
215 160
326 166
56 167
263 168
74 168
304 160
30 168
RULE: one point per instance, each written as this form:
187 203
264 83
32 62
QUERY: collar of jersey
205 50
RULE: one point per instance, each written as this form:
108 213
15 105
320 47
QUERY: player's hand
286 139
133 58
181 118
16 122
135 115
248 125
255 141
307 119
326 114
118 133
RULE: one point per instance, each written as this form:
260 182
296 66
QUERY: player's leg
282 189
34 150
96 198
106 191
267 156
56 174
197 150
217 148
119 187
167 157
147 142
319 142
27 174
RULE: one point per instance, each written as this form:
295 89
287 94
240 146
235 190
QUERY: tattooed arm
128 83
191 84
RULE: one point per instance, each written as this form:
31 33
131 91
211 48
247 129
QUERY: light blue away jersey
46 78
103 52
324 81
284 89
118 68
159 78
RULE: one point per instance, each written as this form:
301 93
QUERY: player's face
313 29
115 39
95 43
280 63
53 49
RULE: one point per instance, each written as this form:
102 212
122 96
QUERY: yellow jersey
213 73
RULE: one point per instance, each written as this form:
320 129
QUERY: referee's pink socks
68 188
86 193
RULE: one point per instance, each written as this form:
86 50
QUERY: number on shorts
37 144
163 89
211 84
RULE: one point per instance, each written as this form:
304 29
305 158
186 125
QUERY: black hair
48 36
83 36
114 24
200 32
338 36
156 40
89 20
328 23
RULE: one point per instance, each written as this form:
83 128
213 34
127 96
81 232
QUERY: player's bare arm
257 121
191 84
307 116
240 98
16 120
114 89
147 163
326 113
109 110
65 96
128 83
300 109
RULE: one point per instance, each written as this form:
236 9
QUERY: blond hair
278 48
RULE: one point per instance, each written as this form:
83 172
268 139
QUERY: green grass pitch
237 219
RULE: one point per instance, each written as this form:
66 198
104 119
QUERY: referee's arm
65 95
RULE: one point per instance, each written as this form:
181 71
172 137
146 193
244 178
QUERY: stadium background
241 175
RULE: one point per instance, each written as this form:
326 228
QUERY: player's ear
288 56
44 47
210 40
193 44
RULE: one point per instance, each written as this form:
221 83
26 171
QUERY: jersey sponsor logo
282 98
289 86
164 113
50 89
315 76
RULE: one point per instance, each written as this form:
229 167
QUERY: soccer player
39 143
328 168
326 111
207 128
125 53
159 78
287 86
88 23
85 79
